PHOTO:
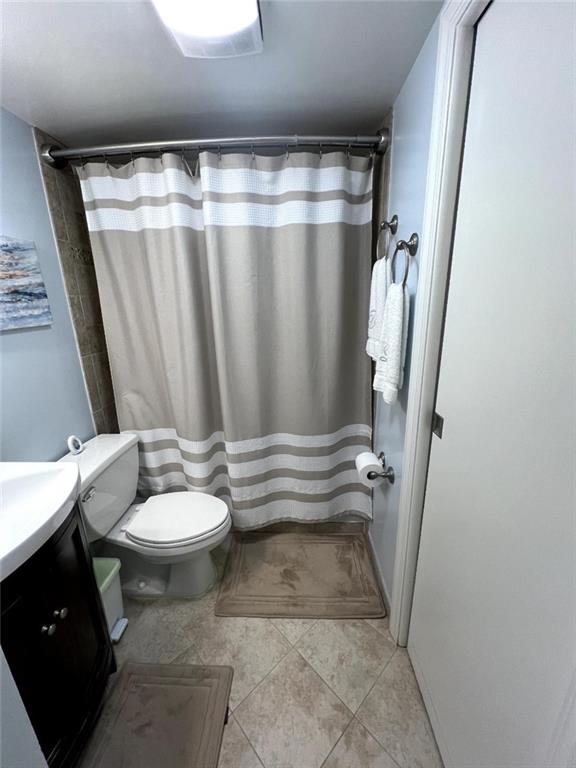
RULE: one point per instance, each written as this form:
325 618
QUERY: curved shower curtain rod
59 156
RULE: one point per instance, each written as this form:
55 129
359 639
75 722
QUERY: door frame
453 69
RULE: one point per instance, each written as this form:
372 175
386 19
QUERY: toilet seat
176 519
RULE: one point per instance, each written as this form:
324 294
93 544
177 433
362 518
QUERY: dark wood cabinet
56 643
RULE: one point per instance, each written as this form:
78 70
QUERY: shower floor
324 573
306 693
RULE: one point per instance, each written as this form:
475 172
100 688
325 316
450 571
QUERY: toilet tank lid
99 453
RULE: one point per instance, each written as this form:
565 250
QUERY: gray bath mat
325 575
162 715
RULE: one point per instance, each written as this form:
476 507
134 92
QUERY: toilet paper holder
387 472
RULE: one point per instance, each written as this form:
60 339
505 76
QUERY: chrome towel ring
410 248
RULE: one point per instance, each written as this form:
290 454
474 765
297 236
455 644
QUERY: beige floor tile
252 646
382 625
358 749
293 629
293 719
348 655
394 713
156 628
134 608
236 750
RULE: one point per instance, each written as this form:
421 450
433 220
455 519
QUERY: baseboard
325 526
379 577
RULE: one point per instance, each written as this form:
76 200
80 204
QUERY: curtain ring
348 152
132 160
185 162
252 150
320 151
287 153
219 153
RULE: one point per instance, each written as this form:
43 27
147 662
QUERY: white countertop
35 499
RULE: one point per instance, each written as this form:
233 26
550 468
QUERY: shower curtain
235 301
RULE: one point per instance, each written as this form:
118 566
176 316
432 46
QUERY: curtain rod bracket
384 142
46 156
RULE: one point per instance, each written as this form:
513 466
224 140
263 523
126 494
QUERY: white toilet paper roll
368 462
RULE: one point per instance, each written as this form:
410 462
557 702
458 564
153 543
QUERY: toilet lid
175 518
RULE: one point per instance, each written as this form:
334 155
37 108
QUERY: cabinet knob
61 614
48 629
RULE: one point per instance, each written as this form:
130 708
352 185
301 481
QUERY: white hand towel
381 279
389 375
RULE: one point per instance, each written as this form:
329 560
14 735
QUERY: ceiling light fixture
213 29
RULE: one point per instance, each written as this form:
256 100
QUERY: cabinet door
36 652
55 640
75 608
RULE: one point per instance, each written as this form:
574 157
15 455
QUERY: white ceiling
90 72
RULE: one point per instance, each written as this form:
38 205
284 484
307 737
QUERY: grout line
354 711
378 676
248 740
361 724
295 650
338 740
290 649
364 699
294 644
233 711
332 691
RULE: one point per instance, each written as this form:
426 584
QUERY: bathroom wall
412 117
73 245
43 396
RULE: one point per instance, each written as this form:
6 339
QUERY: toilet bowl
163 542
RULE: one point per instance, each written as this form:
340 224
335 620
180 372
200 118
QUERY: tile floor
307 693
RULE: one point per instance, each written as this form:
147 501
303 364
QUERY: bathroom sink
35 498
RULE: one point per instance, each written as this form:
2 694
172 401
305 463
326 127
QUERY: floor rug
162 715
325 574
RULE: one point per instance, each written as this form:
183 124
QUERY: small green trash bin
107 572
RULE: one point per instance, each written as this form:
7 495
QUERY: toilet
163 542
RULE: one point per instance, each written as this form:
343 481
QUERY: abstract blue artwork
23 299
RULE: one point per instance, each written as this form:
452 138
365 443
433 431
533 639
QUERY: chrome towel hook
391 226
410 245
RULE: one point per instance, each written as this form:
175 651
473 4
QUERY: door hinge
437 425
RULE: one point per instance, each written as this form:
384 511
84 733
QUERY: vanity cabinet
55 640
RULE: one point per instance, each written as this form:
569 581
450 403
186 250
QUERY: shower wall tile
73 244
92 382
106 420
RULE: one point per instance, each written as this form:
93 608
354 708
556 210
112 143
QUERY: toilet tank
108 468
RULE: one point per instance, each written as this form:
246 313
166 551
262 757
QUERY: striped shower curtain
235 301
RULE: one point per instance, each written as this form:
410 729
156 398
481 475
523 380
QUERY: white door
493 628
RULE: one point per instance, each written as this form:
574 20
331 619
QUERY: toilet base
192 578
187 579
